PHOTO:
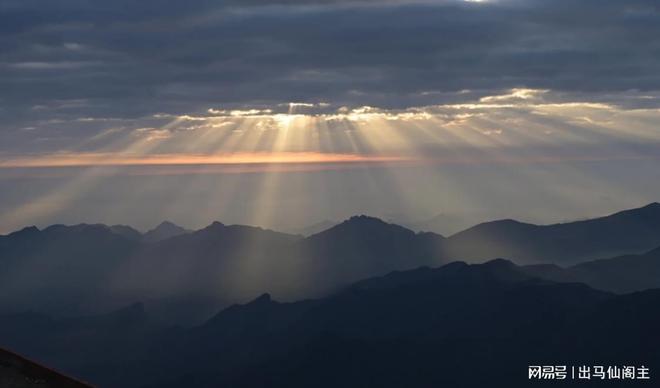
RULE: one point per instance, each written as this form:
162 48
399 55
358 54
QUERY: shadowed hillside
417 328
19 372
630 231
620 274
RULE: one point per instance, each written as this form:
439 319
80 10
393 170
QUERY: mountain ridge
493 314
88 268
628 231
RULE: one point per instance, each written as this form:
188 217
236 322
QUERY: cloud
134 60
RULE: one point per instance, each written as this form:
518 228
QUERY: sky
285 113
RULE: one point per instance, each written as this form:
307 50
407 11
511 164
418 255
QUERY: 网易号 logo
585 372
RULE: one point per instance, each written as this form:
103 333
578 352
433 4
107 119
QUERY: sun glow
279 145
299 133
107 159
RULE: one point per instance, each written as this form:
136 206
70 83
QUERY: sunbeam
521 131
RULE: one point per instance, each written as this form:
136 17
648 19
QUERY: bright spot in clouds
410 159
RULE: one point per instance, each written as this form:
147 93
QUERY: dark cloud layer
68 59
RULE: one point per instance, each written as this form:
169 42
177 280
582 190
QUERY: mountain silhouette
61 269
620 274
186 278
630 231
206 269
163 231
458 325
363 246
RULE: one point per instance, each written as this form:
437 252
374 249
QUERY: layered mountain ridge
420 327
89 269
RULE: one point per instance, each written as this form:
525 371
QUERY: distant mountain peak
509 222
653 206
263 298
431 235
364 218
25 231
213 226
362 224
499 262
163 231
497 226
82 227
167 224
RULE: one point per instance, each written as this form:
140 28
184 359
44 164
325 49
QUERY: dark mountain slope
477 358
458 325
62 269
630 231
19 372
88 269
105 348
188 277
620 274
361 247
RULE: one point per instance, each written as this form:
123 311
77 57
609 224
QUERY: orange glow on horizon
110 160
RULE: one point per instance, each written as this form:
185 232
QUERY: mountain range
620 274
630 231
184 276
417 328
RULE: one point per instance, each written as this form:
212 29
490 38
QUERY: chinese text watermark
585 372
